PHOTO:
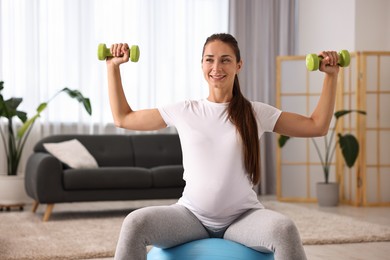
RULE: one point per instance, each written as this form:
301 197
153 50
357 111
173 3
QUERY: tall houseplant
15 139
348 144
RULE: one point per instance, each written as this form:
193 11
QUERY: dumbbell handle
104 52
313 60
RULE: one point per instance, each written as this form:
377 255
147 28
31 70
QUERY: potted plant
14 138
327 192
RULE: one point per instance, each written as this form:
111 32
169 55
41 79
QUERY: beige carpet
92 233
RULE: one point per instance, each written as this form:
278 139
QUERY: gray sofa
131 167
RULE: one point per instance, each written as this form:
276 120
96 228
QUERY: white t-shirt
218 189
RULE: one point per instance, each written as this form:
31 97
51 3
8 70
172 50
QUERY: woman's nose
216 65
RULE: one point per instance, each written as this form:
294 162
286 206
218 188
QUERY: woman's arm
317 124
124 116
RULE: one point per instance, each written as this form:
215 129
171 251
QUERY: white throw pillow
73 153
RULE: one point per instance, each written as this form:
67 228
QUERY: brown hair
241 115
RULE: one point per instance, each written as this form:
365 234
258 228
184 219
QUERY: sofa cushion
155 150
111 150
107 178
168 176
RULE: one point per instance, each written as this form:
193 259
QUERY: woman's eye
225 60
209 60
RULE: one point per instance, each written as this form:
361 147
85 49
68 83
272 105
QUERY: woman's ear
239 66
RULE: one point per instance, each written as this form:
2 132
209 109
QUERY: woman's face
219 65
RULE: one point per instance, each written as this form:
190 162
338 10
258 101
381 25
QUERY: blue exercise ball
208 249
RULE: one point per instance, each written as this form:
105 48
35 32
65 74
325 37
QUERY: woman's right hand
120 52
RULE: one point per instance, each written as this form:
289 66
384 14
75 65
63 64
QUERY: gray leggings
167 226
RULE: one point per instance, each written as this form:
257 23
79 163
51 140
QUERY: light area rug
93 233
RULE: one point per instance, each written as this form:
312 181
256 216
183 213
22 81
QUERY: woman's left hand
329 62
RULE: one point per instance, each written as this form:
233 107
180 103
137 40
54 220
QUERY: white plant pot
328 194
12 191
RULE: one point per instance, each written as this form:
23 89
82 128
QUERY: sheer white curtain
264 30
46 45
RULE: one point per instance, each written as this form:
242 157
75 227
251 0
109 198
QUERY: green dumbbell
104 52
313 60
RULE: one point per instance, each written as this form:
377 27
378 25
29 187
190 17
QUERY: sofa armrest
43 178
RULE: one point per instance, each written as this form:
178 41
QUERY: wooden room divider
364 85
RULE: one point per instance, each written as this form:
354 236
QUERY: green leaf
13 103
282 140
349 147
77 95
41 107
2 106
87 106
22 116
341 113
22 130
8 107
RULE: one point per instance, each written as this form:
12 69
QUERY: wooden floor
360 251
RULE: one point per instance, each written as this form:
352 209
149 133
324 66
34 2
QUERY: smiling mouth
217 77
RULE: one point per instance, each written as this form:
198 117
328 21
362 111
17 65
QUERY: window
47 45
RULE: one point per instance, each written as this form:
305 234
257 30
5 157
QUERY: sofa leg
35 206
49 209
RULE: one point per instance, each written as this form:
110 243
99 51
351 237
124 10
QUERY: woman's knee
284 229
137 222
285 226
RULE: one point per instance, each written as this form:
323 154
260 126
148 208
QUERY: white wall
325 25
372 23
355 25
